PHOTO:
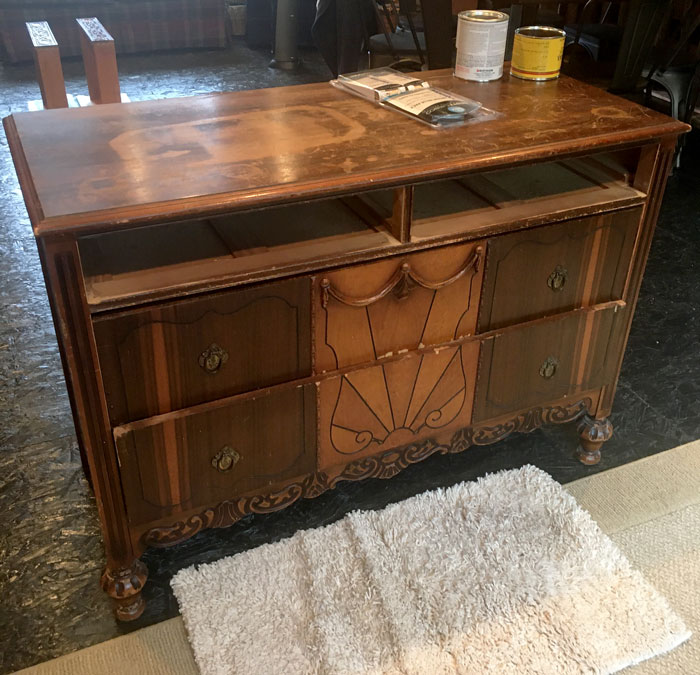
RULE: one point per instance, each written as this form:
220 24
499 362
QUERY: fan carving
391 404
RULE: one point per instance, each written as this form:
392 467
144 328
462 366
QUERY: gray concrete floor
50 544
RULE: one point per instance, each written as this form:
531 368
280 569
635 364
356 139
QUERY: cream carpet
503 575
651 509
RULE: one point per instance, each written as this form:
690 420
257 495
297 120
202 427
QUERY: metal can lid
541 32
486 15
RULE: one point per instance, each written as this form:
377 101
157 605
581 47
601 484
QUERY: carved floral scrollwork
525 422
95 31
389 463
41 34
230 511
384 465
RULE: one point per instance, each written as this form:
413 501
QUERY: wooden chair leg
100 60
48 65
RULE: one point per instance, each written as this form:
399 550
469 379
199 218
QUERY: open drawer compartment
161 261
485 202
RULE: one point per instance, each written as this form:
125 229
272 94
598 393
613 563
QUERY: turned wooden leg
124 586
593 433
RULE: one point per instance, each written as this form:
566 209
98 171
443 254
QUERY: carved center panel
395 403
373 311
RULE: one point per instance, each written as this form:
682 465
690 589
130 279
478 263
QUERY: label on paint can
537 53
481 45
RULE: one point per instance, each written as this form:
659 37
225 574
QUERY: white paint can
481 44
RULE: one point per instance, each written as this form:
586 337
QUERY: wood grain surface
369 312
116 165
547 270
176 355
546 360
175 465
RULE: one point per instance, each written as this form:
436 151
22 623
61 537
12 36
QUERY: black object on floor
50 544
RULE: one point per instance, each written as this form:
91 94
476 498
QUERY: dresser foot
593 433
124 586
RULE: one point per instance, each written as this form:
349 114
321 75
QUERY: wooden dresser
260 294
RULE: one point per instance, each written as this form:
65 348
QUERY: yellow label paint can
537 52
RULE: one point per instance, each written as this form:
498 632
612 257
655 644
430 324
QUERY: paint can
481 44
537 52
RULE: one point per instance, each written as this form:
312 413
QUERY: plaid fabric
135 25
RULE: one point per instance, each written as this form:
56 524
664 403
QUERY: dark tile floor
50 544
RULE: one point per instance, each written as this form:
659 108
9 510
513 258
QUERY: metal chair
626 47
677 71
602 38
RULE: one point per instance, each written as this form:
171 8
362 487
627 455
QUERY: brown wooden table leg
47 59
100 60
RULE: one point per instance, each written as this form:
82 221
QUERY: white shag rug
503 575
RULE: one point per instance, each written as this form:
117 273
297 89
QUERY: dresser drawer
525 367
395 403
177 355
202 458
546 270
366 312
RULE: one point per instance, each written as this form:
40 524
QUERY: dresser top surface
110 166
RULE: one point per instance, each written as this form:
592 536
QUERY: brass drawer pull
212 358
549 368
557 279
225 459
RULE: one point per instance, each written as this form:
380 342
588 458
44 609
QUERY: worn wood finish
186 258
177 355
100 61
368 312
193 460
47 59
255 148
349 347
579 263
173 259
169 260
529 194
